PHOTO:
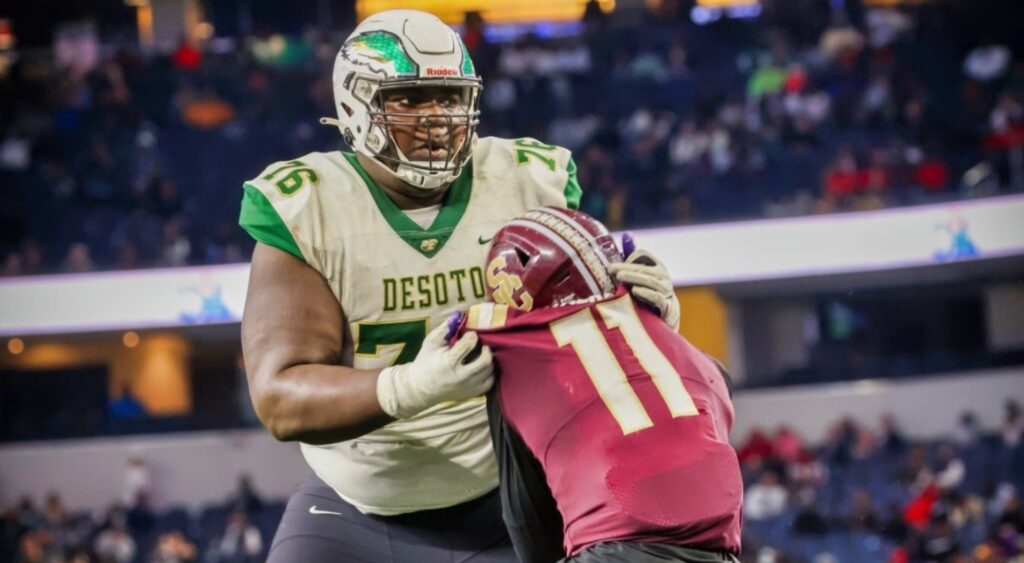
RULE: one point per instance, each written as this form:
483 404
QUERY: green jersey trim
572 190
431 240
259 218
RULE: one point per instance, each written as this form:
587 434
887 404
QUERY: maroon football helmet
548 257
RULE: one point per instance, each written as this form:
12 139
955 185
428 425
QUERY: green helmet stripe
384 48
467 63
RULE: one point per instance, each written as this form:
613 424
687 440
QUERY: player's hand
649 281
439 373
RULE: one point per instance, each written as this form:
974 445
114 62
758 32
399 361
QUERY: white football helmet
402 49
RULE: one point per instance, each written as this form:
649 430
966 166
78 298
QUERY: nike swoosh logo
314 510
483 240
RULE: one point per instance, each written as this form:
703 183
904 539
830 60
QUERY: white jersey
395 280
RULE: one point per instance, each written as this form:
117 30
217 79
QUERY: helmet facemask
449 130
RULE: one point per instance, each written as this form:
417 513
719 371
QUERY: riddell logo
442 72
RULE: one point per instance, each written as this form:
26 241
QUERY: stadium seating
157 187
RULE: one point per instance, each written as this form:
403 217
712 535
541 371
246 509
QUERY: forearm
320 404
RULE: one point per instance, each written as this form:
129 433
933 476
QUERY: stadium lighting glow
454 11
204 30
15 346
727 3
144 22
708 11
130 339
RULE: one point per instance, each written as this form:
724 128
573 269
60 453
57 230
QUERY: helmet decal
467 63
548 257
503 285
380 51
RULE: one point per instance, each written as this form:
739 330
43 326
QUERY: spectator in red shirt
841 177
186 57
878 174
787 445
796 80
757 447
932 174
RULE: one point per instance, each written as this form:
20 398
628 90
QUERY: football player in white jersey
360 257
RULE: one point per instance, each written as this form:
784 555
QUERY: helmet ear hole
523 257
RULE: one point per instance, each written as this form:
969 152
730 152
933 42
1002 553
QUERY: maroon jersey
629 421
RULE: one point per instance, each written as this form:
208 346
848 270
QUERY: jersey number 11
580 330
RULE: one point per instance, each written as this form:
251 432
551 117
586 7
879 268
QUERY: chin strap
423 183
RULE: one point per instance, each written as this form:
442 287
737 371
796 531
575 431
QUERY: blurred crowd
235 530
861 494
873 494
770 118
135 160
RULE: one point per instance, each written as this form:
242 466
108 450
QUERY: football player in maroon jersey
611 429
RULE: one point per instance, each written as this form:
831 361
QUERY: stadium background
834 185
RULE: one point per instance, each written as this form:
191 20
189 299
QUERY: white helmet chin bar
405 49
